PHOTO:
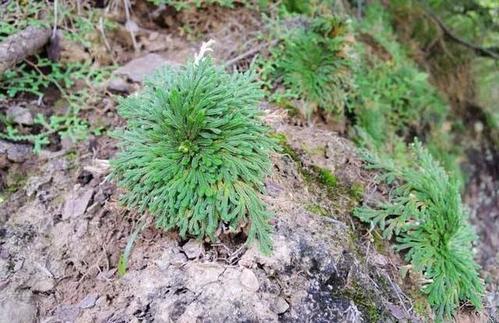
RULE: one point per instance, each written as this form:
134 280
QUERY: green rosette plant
314 65
195 152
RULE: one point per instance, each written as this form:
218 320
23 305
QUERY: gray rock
138 69
3 161
171 256
20 115
249 280
76 202
13 311
4 146
43 285
193 249
178 259
34 183
67 313
88 301
118 84
281 306
18 153
132 26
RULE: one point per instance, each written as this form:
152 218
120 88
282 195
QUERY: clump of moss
316 209
286 149
357 191
327 178
364 301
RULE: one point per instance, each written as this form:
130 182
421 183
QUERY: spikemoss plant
430 224
195 152
314 66
394 100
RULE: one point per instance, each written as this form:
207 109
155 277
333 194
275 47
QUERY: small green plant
15 16
327 178
67 126
29 78
314 66
393 96
395 99
357 191
36 76
195 153
428 219
77 25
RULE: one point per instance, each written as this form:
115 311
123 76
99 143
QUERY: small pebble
118 85
193 249
20 115
249 280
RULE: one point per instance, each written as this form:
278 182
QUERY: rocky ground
63 234
63 230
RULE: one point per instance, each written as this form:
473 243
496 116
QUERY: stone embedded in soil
281 255
138 69
34 183
281 305
77 202
98 167
193 249
88 301
18 153
13 311
3 161
178 259
118 84
20 115
171 256
67 313
249 280
43 285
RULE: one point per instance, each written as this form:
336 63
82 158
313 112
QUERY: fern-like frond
427 217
